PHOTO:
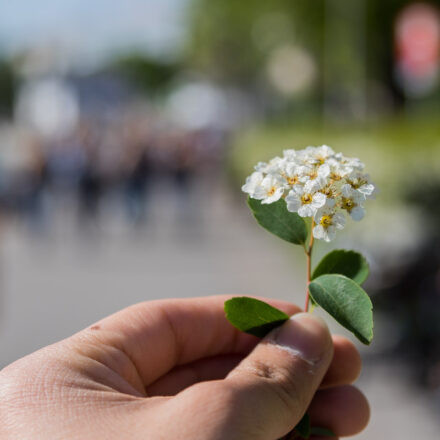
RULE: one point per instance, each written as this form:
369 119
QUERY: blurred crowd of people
122 160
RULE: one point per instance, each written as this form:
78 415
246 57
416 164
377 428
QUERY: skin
176 369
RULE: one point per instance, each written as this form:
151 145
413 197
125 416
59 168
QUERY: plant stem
309 266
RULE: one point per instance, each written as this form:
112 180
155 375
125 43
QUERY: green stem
309 266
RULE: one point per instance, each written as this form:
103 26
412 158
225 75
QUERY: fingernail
305 335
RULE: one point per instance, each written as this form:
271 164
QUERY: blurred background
126 132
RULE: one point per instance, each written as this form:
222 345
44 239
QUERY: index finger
159 335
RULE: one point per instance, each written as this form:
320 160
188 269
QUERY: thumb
274 385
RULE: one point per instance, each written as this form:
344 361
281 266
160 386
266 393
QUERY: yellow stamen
328 191
347 204
306 199
271 192
356 183
326 221
292 180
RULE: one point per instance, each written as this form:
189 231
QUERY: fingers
266 395
343 409
159 335
346 363
269 391
184 376
344 369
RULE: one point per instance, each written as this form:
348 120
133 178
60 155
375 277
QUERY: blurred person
66 162
22 185
176 368
137 174
183 169
36 179
90 181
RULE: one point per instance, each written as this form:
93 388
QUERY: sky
88 30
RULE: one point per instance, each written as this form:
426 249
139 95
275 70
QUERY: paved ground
54 286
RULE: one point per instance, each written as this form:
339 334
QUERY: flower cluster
315 182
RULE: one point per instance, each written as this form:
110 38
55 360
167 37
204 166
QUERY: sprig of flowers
308 194
316 183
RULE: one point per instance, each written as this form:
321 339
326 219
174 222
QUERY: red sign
417 45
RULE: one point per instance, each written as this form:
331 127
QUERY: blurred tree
150 75
351 43
229 40
246 44
7 82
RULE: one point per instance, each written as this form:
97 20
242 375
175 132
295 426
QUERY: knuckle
281 382
289 393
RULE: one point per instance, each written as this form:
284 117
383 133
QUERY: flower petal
306 211
347 190
331 233
319 232
357 213
339 220
318 200
274 197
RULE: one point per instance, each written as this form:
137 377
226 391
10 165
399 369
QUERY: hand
176 369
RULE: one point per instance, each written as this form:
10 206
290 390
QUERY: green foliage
253 316
277 219
349 263
237 52
303 427
7 87
347 302
230 40
149 74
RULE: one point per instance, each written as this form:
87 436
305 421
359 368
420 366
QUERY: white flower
252 182
261 167
269 190
320 183
318 176
351 201
337 170
274 166
294 174
301 200
331 191
327 223
361 183
290 154
352 163
319 155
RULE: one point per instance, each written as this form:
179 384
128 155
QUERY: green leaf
303 427
347 302
322 432
253 316
349 263
277 219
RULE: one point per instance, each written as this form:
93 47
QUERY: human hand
176 369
